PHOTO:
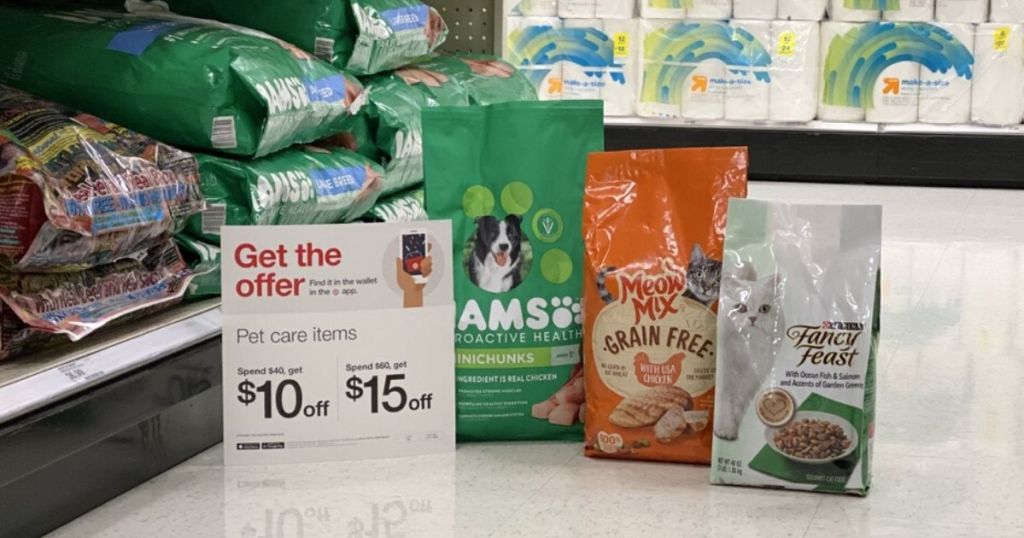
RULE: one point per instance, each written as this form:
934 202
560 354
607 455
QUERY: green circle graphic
517 198
548 225
556 266
478 201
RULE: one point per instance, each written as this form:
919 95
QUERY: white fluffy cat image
750 329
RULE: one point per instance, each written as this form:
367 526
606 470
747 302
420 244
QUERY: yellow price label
620 42
787 44
1001 39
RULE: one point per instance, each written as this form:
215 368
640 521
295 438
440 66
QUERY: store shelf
86 423
918 155
34 381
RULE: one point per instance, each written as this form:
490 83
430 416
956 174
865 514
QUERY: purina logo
857 59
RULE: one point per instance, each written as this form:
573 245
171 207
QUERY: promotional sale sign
338 342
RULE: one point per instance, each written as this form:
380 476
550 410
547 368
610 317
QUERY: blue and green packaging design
798 323
510 178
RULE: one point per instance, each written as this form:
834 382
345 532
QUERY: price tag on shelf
338 342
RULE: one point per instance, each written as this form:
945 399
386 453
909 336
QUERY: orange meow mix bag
653 224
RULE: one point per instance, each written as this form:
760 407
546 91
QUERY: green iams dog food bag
798 323
510 178
362 36
188 82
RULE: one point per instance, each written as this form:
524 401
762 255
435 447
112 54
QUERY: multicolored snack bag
36 307
361 36
652 228
510 178
301 185
77 191
798 340
189 82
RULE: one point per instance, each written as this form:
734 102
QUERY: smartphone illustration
414 250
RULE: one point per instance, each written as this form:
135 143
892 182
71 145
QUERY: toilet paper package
576 9
911 10
802 10
854 10
530 46
841 95
998 92
532 8
1007 11
663 9
615 9
620 80
895 94
755 9
748 89
684 69
975 11
581 80
709 9
946 93
795 54
704 92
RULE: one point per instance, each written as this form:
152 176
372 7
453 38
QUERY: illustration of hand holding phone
414 267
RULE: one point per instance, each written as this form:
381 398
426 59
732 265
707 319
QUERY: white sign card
338 342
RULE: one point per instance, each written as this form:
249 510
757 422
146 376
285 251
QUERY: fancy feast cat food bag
652 228
797 340
510 178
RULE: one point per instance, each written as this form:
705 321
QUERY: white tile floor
950 434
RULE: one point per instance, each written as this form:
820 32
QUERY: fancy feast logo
833 343
653 295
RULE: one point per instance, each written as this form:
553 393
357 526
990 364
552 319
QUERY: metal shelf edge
64 379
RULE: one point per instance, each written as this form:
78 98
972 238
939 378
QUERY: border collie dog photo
496 263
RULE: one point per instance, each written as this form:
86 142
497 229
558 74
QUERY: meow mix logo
671 55
653 296
828 344
857 59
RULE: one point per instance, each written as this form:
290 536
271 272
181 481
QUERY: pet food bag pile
193 83
37 307
797 342
514 194
300 185
652 228
79 191
87 210
392 130
401 207
363 37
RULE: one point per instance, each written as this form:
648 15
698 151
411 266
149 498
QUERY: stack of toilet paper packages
939 73
962 11
750 70
587 58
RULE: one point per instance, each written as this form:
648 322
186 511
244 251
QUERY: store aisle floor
950 432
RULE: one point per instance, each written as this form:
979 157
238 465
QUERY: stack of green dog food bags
267 99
